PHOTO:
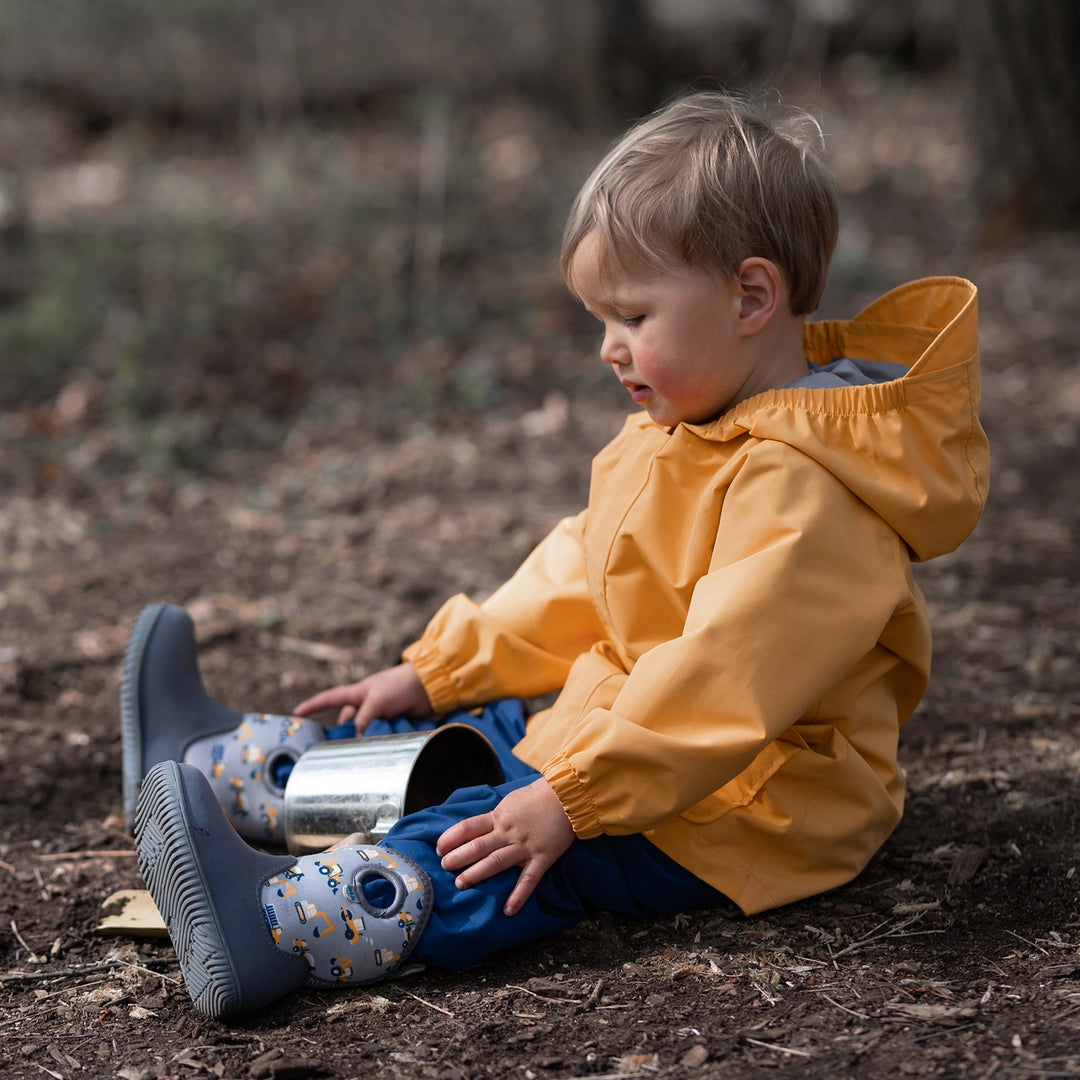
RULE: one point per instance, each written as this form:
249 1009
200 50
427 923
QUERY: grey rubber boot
166 715
249 928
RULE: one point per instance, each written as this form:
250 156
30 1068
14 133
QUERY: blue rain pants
621 875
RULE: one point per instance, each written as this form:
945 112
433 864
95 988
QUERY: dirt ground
311 471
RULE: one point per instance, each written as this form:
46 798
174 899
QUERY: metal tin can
362 786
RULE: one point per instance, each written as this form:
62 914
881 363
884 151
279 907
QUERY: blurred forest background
216 214
283 339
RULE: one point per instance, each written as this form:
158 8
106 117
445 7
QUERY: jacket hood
911 448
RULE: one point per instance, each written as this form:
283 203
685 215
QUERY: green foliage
47 336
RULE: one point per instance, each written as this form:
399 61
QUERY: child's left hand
528 828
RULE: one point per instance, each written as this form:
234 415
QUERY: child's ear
763 292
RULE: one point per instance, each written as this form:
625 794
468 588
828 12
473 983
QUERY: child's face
672 338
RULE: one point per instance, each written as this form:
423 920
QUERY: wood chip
290 1069
966 864
932 1013
695 1057
135 915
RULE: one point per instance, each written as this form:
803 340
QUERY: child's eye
633 320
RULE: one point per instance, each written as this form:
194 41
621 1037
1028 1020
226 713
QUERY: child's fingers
370 708
505 858
459 841
333 698
502 858
526 883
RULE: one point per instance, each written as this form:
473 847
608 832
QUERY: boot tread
171 868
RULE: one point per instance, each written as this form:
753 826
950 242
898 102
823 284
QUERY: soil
311 472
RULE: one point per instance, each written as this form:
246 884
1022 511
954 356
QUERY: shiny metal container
347 786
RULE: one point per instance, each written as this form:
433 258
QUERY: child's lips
639 393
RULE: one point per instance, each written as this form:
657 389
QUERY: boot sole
172 870
130 719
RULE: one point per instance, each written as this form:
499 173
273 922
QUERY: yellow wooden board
131 912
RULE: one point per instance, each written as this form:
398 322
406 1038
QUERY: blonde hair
707 182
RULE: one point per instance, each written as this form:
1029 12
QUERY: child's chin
665 416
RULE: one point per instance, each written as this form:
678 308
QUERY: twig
450 1044
85 969
764 992
34 958
1026 942
147 971
1067 1012
437 1008
944 1031
777 1048
46 995
541 997
28 976
65 856
810 960
38 1014
875 936
594 996
844 1008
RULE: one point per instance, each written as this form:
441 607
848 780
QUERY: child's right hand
396 691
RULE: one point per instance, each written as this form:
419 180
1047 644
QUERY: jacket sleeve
522 640
804 579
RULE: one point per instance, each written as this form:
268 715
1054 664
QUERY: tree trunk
1021 60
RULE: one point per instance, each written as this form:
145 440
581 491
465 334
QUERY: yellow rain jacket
733 621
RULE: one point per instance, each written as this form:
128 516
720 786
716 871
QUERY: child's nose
611 350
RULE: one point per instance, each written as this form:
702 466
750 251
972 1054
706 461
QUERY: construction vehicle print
284 881
268 815
341 968
272 923
386 956
307 913
331 870
354 926
217 761
253 755
239 806
302 948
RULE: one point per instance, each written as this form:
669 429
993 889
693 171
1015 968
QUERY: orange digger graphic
307 913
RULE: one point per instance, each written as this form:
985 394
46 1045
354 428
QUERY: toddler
732 623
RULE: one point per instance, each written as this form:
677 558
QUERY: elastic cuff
575 799
437 683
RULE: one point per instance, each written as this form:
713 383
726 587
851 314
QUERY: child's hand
528 828
396 691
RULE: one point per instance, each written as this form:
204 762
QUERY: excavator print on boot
249 928
167 715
